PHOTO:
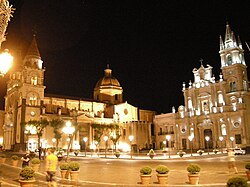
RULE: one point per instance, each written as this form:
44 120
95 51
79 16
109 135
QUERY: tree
57 124
112 129
115 134
40 125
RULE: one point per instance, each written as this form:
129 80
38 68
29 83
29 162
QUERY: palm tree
57 124
40 125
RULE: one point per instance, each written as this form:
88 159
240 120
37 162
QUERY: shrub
193 168
74 166
151 152
146 170
237 182
247 166
2 155
27 173
35 161
14 157
161 169
64 166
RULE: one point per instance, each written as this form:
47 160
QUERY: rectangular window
171 130
160 131
184 143
237 138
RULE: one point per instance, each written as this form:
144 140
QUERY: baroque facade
26 100
216 113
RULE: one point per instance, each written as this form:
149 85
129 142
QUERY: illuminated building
26 100
218 109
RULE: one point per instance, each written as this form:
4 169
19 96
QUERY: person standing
51 167
26 159
231 161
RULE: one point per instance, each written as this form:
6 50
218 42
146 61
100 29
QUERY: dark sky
152 46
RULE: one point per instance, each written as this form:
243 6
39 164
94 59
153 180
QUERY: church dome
108 79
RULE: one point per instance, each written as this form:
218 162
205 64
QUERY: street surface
110 171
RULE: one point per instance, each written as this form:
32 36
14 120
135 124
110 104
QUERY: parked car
239 151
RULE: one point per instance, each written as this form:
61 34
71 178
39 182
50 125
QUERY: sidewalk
177 178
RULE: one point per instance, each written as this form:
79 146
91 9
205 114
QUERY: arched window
232 86
220 99
223 130
190 105
34 80
229 60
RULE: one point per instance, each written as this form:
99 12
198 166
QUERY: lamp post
191 144
69 130
221 139
168 137
131 137
85 139
6 59
232 139
105 139
53 141
207 139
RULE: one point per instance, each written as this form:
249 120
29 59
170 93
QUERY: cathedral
216 113
27 101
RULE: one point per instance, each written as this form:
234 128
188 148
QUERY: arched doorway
209 143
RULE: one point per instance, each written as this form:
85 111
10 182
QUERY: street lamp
53 140
191 144
69 130
232 139
85 139
131 137
168 137
207 139
6 60
105 139
221 139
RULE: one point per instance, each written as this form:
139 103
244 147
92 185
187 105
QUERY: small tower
233 65
25 93
108 89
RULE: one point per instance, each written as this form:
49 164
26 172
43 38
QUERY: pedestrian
51 167
26 159
231 161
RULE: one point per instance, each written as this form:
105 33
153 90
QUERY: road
97 171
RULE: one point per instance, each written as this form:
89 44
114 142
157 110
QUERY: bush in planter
193 168
27 173
181 153
151 153
161 169
117 154
200 152
146 170
215 151
247 166
237 181
14 157
64 166
35 161
74 166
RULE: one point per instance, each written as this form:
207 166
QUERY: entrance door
184 143
209 143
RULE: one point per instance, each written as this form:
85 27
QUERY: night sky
151 46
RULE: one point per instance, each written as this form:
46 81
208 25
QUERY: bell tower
233 64
25 93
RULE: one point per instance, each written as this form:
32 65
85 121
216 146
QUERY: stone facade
26 100
216 113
